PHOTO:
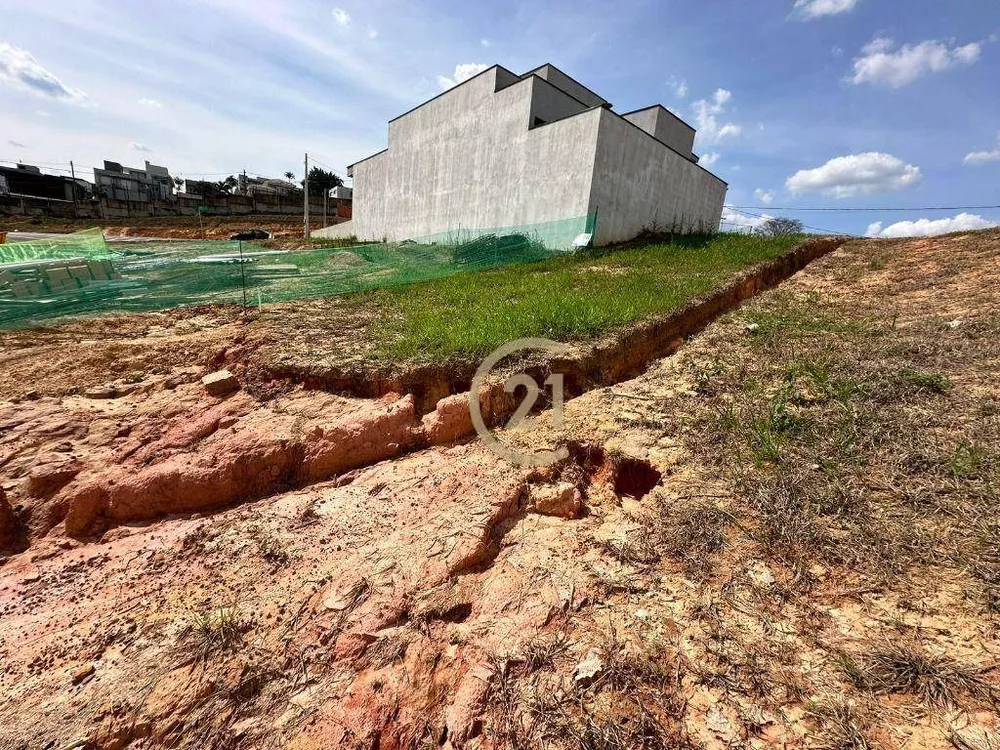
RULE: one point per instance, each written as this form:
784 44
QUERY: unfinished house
502 150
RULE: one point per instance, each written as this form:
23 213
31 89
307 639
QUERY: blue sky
800 103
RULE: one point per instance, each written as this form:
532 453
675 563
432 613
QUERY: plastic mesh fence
81 275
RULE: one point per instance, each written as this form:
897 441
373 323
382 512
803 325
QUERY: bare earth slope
784 535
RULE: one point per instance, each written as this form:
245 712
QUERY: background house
28 180
152 182
540 152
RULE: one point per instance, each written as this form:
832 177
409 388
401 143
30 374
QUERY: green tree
320 181
780 226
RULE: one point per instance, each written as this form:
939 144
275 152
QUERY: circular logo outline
475 406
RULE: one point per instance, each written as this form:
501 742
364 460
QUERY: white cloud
680 88
151 103
139 147
733 221
764 196
707 160
342 17
372 33
930 227
463 72
807 10
16 144
856 174
879 65
710 130
983 157
486 43
19 68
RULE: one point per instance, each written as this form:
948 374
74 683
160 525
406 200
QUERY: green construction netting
82 275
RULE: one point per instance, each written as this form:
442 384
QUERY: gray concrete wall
562 81
550 103
639 183
666 127
467 160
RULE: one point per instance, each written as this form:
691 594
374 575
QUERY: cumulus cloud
463 72
139 147
930 227
707 160
983 157
706 115
485 42
881 64
764 196
151 103
733 221
806 10
342 17
680 88
372 33
856 174
19 68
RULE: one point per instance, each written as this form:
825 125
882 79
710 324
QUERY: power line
805 226
867 210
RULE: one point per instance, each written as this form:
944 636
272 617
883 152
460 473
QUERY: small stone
83 673
587 670
220 383
563 500
953 324
717 722
751 327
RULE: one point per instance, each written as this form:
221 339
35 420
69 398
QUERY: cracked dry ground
784 535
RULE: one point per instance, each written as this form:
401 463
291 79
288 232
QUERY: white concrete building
502 150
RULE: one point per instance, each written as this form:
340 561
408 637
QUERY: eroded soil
783 535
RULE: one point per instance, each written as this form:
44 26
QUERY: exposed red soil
311 570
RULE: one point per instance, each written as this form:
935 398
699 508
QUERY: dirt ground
173 227
785 535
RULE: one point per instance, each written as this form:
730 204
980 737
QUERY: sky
799 104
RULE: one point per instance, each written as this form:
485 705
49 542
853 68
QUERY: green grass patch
570 297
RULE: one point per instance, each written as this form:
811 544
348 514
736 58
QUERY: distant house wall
467 160
638 184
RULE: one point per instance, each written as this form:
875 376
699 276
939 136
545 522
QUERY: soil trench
154 458
610 360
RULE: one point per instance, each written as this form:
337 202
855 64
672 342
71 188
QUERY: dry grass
909 669
843 726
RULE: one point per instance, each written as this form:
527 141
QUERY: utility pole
305 190
326 194
72 172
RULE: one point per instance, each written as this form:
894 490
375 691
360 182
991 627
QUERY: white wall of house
501 150
639 183
468 160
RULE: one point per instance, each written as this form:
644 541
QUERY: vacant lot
786 535
576 297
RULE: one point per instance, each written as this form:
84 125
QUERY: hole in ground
635 477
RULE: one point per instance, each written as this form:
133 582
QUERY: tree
320 181
179 183
227 185
780 226
289 176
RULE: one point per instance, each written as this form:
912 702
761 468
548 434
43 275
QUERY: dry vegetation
832 519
